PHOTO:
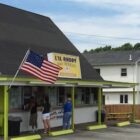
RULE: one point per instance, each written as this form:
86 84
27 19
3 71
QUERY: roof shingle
20 30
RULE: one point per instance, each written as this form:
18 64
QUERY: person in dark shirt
67 114
33 114
46 115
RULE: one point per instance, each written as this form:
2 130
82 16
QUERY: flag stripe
45 72
34 69
44 79
52 64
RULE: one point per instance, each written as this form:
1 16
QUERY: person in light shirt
46 115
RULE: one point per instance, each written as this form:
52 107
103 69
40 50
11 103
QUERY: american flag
40 68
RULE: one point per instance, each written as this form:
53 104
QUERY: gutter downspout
99 105
137 79
134 106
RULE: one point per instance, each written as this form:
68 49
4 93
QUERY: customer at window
46 115
33 114
67 114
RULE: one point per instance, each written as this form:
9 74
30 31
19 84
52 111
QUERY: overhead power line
103 36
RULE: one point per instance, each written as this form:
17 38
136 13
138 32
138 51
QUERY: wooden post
72 93
99 105
6 107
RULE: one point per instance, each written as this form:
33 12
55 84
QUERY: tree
91 51
107 48
85 51
98 49
126 46
137 46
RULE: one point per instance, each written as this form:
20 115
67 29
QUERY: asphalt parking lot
131 132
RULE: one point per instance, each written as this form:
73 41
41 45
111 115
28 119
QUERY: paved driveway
131 132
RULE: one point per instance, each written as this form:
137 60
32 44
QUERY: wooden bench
119 115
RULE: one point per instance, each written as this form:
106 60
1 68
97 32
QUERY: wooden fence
121 112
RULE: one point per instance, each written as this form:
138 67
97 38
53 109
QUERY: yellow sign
70 64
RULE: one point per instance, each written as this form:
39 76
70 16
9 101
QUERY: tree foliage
124 47
137 46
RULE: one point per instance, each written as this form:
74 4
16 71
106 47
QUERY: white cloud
103 2
128 6
90 42
124 24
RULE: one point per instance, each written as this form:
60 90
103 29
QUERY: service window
61 96
86 96
27 93
37 91
19 96
95 95
52 93
15 98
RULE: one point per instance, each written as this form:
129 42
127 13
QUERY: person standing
46 115
67 114
33 114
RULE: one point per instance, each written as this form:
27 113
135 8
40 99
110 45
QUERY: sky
90 24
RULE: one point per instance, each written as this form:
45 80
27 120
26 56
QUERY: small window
87 95
123 72
98 70
123 99
126 98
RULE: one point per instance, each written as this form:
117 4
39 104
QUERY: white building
120 66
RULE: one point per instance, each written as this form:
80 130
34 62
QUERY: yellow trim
94 127
123 123
3 79
32 137
6 107
73 93
61 132
73 82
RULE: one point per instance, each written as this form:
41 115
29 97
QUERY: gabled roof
113 57
20 30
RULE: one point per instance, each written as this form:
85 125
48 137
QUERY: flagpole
25 57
